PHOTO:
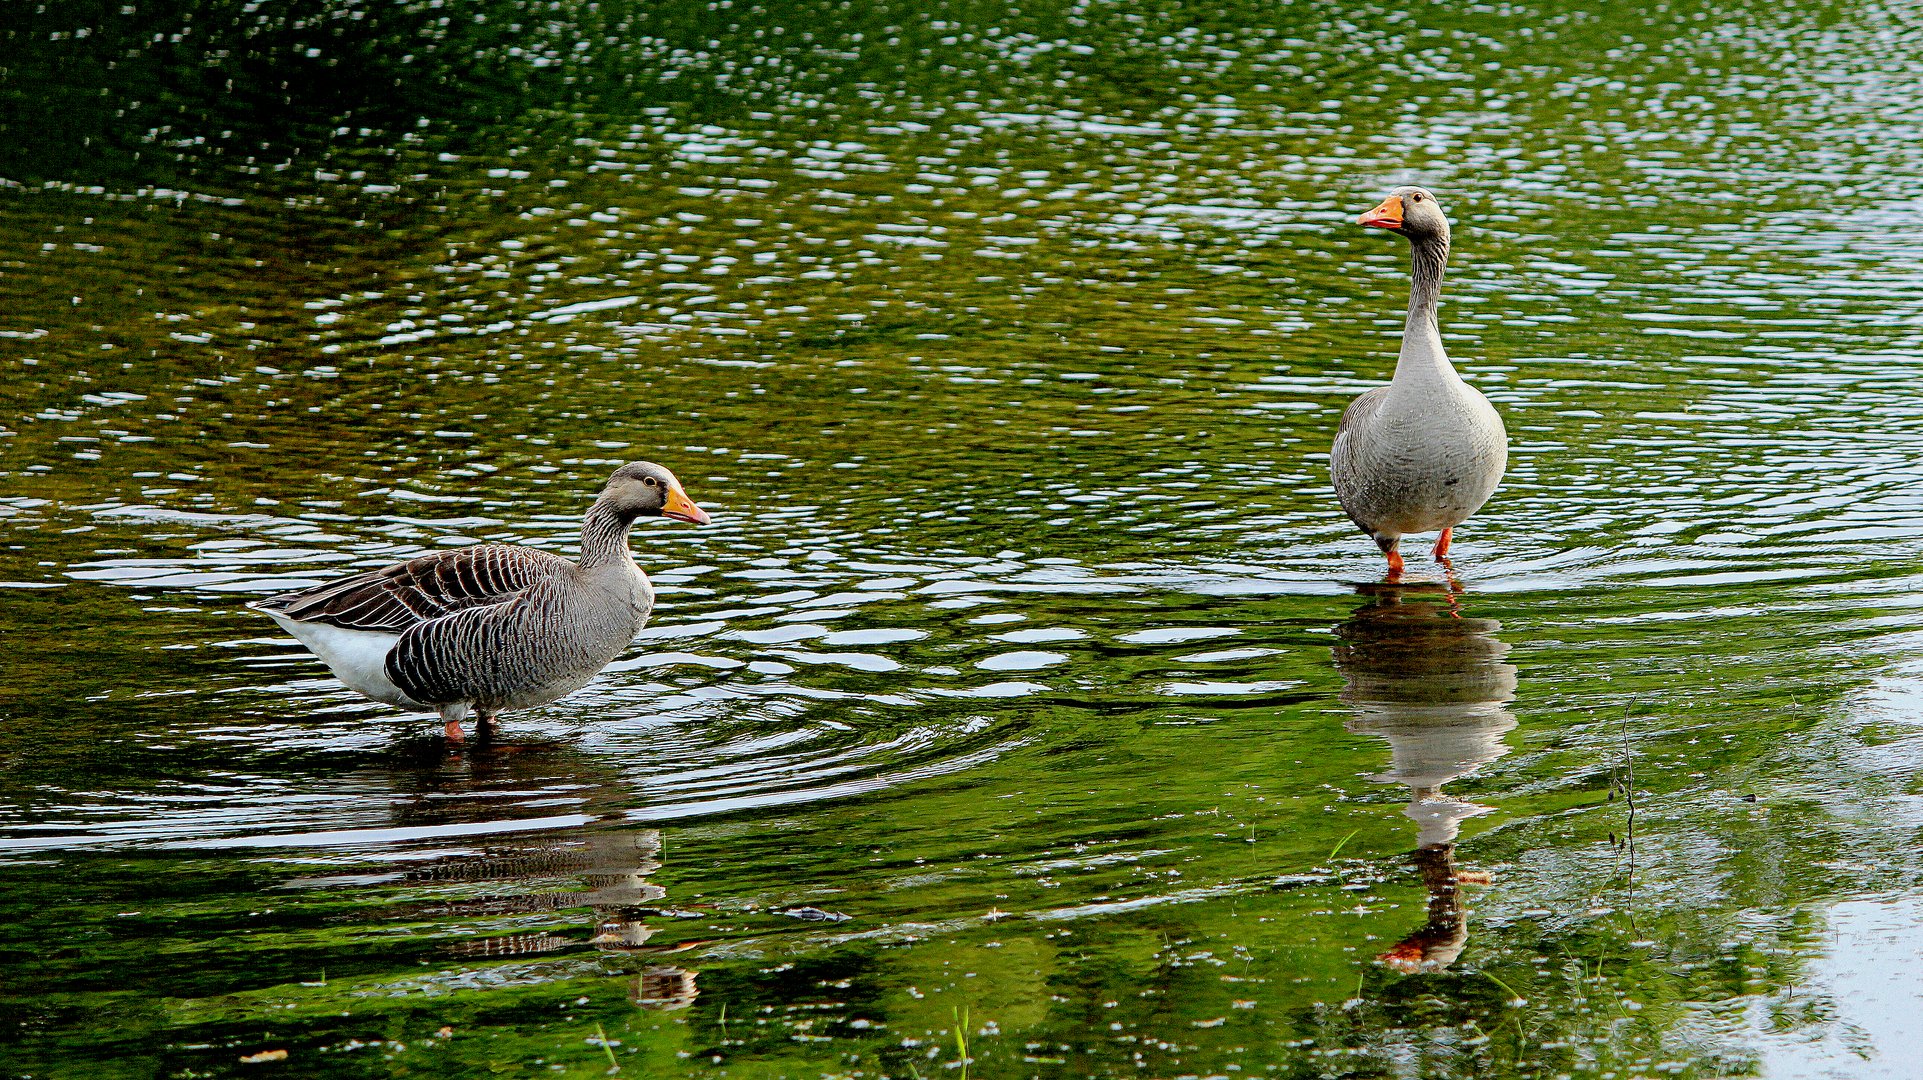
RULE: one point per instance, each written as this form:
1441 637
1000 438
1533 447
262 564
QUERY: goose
494 626
1426 451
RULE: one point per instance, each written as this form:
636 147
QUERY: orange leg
1387 544
452 715
1442 544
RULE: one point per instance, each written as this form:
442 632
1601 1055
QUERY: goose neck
1422 353
604 537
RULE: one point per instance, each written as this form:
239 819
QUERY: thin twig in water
961 1038
1513 996
1340 844
1629 828
1629 796
613 1065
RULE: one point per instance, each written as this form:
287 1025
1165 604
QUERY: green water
1029 709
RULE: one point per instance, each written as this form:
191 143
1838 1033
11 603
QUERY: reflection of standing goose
608 870
1426 451
519 878
1433 685
601 865
574 882
491 627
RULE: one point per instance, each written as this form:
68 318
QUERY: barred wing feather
398 597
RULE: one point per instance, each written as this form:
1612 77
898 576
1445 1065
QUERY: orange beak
682 508
1386 216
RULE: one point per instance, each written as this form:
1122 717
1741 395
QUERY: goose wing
1352 479
1359 413
395 598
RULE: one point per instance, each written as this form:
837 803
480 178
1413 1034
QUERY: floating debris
813 914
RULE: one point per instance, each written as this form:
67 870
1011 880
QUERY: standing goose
1427 450
490 627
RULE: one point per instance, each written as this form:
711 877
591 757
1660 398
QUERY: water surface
1029 686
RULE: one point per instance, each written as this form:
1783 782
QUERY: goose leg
1442 544
483 724
1388 546
452 715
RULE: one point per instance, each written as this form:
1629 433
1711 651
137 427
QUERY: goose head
644 489
1411 211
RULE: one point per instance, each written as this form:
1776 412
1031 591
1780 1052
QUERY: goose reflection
1433 683
591 859
600 867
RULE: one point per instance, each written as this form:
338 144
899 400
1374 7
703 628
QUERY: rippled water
1029 683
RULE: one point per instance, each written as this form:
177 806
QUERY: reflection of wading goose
573 883
491 627
515 882
1433 686
1424 452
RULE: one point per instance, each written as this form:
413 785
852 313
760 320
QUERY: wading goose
1424 452
490 627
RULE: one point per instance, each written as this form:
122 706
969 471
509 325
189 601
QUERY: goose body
1426 451
491 627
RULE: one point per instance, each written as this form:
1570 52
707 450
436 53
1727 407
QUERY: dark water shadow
1431 681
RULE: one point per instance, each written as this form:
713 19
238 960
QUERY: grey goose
1426 451
494 626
